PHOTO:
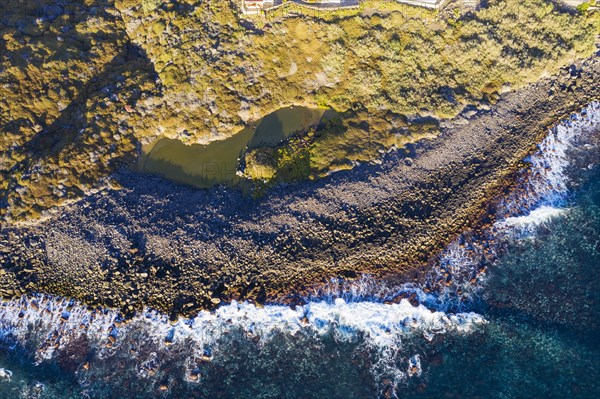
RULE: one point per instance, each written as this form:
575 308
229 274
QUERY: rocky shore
153 243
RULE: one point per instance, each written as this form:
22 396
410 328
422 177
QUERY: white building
432 4
322 1
250 7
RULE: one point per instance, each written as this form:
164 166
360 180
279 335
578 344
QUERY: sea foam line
540 196
533 219
53 325
543 192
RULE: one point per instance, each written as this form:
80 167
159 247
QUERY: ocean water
509 312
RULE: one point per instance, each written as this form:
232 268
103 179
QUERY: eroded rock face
86 82
177 249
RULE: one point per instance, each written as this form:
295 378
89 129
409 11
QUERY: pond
217 162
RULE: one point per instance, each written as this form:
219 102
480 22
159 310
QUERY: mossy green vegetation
587 6
120 74
337 144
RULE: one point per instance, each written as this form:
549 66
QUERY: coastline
402 326
177 249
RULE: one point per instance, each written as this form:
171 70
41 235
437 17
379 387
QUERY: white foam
546 184
541 196
383 324
537 217
51 325
545 190
5 374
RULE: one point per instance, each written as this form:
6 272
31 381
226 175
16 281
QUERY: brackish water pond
217 162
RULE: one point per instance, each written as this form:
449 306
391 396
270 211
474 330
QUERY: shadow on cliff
73 125
93 134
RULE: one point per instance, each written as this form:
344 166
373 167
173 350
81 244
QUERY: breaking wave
533 219
55 324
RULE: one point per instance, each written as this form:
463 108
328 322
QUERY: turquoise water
542 301
527 327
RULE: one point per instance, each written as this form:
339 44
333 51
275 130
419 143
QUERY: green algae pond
204 165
